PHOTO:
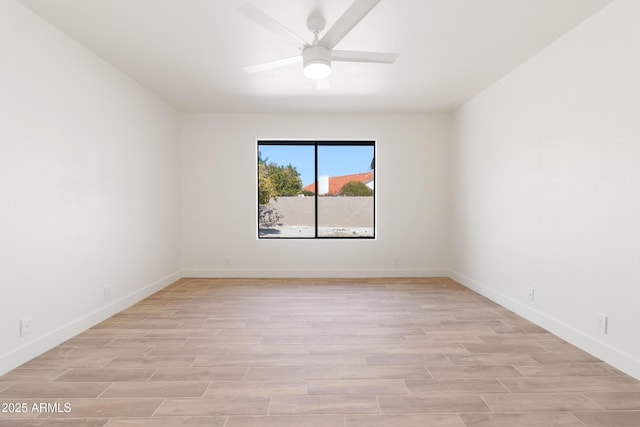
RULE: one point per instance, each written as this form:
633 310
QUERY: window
316 189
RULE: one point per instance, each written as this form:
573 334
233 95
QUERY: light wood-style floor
312 353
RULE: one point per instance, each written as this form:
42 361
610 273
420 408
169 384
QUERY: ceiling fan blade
261 18
357 56
273 64
322 84
349 19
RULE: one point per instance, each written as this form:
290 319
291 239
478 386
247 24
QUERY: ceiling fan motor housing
317 61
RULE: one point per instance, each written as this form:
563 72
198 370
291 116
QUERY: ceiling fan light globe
317 69
317 62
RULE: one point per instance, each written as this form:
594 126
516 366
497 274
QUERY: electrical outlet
396 261
25 326
107 293
531 294
227 262
601 323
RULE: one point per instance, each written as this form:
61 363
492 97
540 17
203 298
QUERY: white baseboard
306 273
613 356
46 342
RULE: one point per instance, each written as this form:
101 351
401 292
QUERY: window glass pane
346 182
283 209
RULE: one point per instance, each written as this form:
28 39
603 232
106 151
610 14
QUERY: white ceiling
191 52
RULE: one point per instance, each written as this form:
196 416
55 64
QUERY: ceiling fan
317 56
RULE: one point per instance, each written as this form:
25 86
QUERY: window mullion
317 188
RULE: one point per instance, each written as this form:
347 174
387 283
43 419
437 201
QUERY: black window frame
316 144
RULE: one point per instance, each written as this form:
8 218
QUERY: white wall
88 187
219 197
546 187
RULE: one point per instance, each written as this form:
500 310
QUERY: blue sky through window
332 160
